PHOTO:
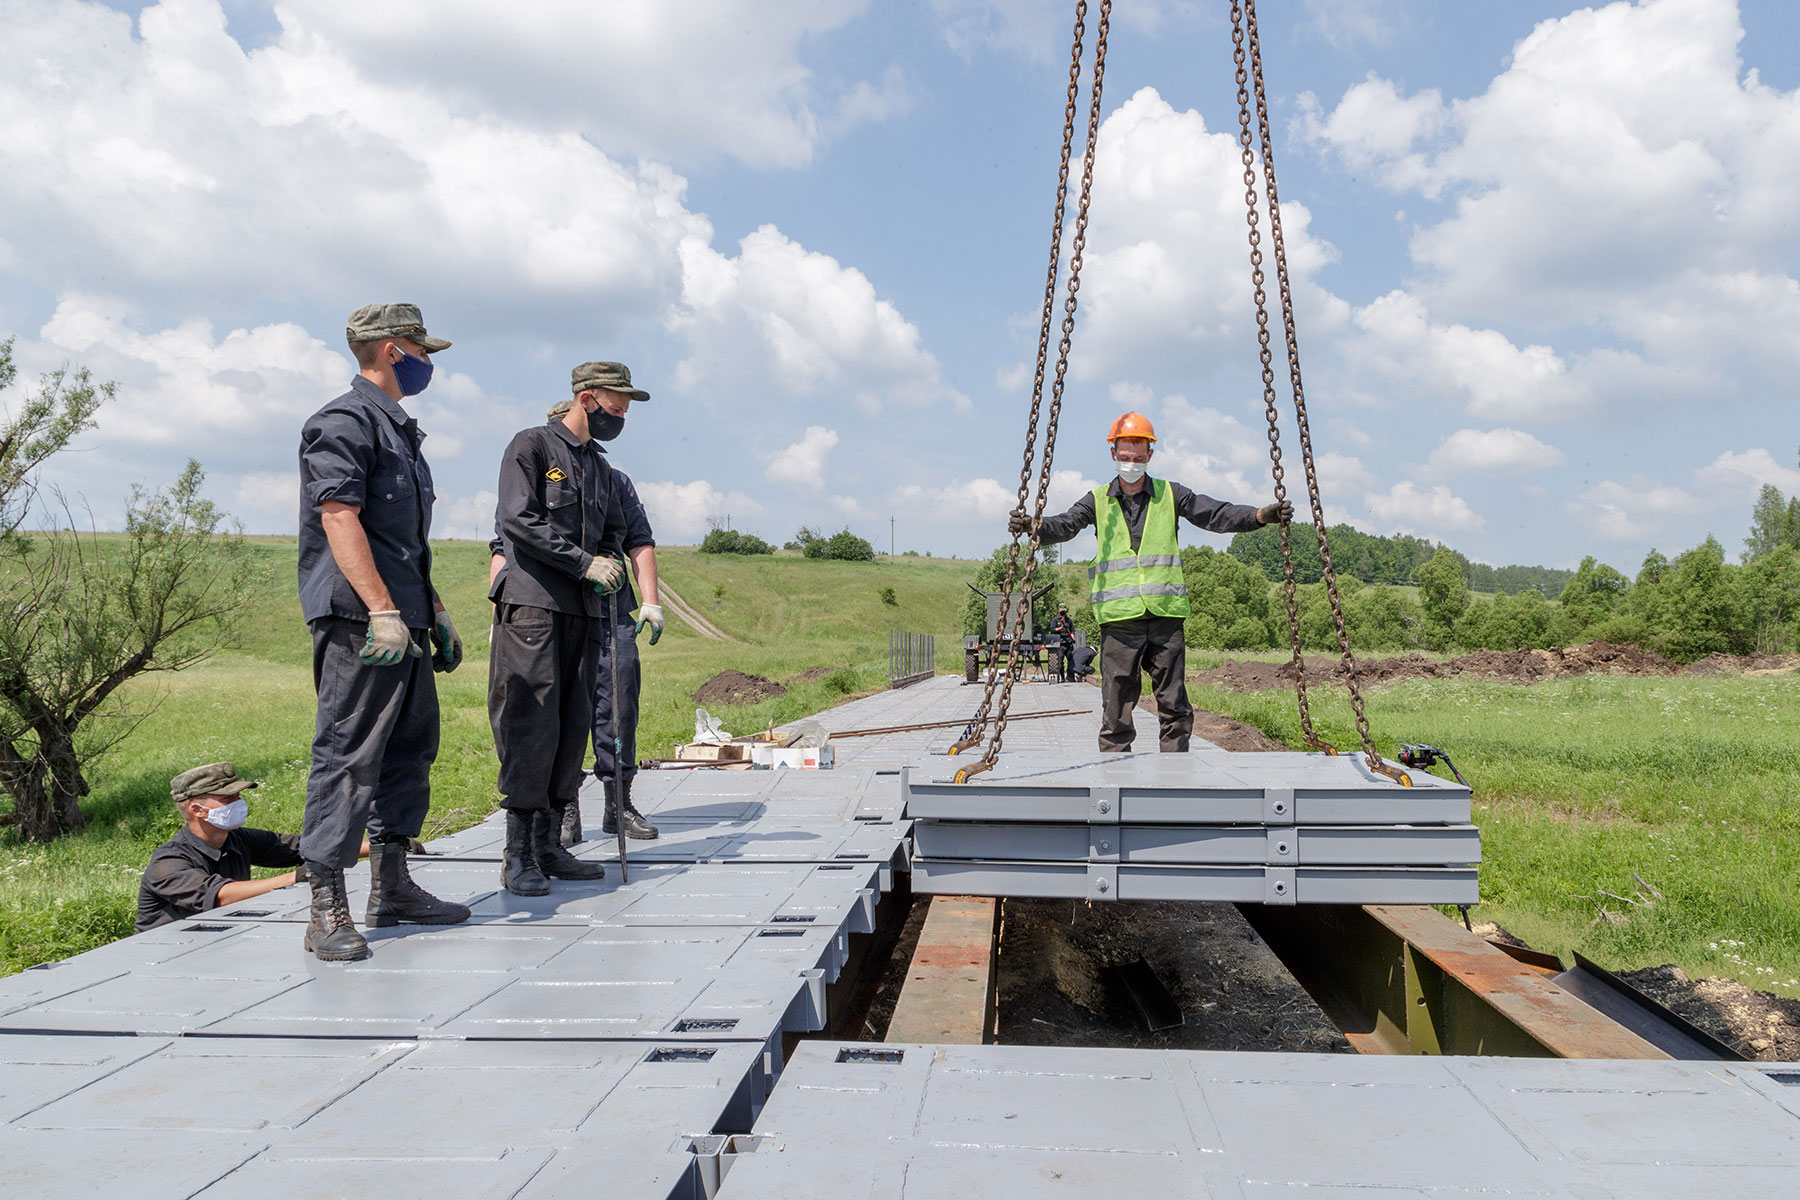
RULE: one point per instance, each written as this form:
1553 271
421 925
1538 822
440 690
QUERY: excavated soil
1757 1025
1056 987
1746 664
735 687
1511 666
812 673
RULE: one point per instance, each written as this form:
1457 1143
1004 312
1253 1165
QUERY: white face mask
1131 472
229 816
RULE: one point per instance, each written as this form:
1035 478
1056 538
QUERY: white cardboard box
803 758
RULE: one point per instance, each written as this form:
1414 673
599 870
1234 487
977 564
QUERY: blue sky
1544 257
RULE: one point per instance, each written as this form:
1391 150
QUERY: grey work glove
1020 523
415 847
1281 510
389 640
447 654
651 615
606 574
301 875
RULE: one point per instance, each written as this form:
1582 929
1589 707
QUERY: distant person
1135 584
208 863
551 581
1064 628
366 593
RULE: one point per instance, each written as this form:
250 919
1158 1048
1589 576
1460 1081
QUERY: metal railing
911 657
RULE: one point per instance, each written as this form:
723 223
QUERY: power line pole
890 537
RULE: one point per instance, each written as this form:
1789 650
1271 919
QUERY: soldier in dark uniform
549 587
366 593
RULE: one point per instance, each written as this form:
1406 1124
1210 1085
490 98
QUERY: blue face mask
412 374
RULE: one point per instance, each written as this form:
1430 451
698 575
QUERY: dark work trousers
1128 648
373 746
630 679
540 678
1065 661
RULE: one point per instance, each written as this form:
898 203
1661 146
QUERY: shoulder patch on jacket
555 475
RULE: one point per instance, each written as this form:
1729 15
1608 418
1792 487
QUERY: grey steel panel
1425 846
328 1117
1389 885
36 1069
1241 885
54 1164
952 1122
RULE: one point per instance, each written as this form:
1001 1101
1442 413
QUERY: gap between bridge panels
949 994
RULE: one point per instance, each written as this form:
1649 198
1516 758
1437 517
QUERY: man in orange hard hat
1135 584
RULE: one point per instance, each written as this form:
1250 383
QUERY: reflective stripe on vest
1123 585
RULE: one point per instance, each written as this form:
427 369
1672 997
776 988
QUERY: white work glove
389 640
605 574
448 648
651 615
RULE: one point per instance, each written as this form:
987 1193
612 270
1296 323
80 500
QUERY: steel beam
1407 980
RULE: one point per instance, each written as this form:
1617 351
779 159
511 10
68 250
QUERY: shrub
887 596
730 541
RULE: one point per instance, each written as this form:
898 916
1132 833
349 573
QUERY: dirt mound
1749 664
1513 666
1758 1025
812 673
734 687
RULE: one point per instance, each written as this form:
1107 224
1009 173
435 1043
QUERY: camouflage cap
373 321
610 375
560 409
214 779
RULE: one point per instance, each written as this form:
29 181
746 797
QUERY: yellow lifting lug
973 769
1313 743
1394 773
959 747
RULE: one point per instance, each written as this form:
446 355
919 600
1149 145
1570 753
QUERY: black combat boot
570 834
394 899
552 859
519 873
636 828
331 935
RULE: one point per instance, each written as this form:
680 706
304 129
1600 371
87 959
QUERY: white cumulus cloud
804 461
688 509
1408 508
1492 451
1625 512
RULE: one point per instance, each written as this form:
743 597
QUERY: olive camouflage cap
560 409
214 779
374 321
610 375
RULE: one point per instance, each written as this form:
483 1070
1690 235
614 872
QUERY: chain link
1077 247
1008 620
1243 19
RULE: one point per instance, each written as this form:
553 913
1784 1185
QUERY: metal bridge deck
610 1036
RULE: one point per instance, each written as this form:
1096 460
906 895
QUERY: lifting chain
1009 619
1243 28
1022 598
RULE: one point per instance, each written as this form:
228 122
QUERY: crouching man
207 865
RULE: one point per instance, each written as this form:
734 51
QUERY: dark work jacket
1204 511
185 873
627 529
363 450
555 497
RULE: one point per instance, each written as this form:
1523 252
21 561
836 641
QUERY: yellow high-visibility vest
1123 583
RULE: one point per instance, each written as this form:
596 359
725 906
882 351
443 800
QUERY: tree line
1372 558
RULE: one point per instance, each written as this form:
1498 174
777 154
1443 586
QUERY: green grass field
1688 786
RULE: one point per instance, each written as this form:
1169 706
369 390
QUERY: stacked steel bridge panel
626 1038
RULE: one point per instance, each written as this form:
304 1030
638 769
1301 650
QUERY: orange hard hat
1131 425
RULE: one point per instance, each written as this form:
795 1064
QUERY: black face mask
604 426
